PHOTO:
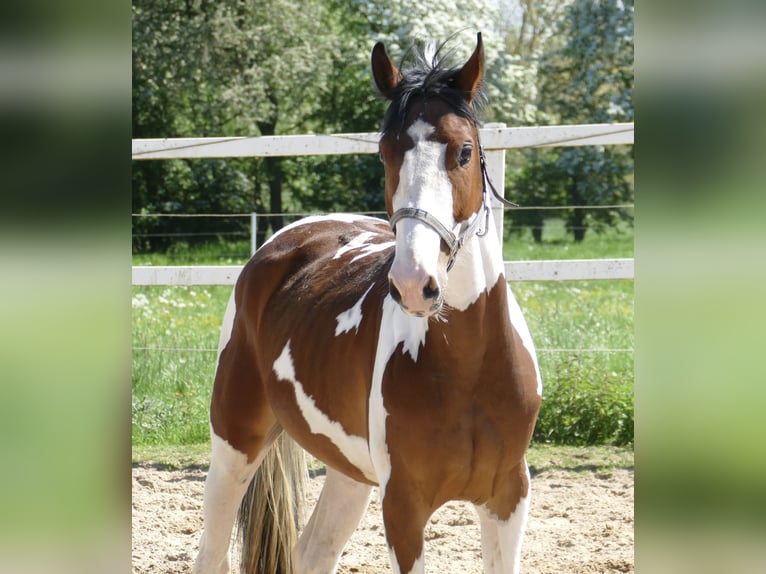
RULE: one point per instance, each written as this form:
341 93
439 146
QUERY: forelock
427 74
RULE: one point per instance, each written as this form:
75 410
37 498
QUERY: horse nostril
431 290
395 294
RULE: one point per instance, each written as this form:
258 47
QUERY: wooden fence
495 138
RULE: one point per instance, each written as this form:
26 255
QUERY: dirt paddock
581 521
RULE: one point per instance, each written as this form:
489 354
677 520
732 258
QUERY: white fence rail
584 269
492 138
496 138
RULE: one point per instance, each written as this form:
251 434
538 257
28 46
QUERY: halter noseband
455 242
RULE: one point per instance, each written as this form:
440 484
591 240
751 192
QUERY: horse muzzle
418 294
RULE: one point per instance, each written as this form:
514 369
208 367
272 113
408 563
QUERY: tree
589 79
257 67
350 103
176 84
508 81
235 67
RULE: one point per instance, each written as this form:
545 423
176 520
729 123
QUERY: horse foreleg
501 538
490 542
333 521
227 481
404 518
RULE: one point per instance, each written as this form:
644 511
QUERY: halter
456 242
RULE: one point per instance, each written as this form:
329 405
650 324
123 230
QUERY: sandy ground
581 521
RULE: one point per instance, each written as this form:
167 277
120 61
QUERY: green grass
587 391
210 253
175 338
558 244
587 394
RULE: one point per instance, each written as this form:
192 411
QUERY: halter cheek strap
455 242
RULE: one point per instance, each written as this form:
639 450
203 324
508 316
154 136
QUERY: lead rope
485 176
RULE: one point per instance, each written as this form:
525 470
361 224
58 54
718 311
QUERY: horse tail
270 512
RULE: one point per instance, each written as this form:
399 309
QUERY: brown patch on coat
460 418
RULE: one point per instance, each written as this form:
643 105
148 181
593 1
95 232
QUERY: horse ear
386 75
469 77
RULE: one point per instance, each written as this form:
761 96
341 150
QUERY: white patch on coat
374 248
227 324
477 269
357 242
352 318
507 534
339 217
395 327
520 324
502 539
490 544
333 521
354 448
363 243
226 483
418 567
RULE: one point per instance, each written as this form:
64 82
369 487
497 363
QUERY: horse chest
453 423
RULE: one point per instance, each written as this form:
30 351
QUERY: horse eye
465 155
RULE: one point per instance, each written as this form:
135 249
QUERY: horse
394 352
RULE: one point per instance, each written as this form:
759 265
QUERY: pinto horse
395 353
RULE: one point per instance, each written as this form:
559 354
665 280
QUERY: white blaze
423 184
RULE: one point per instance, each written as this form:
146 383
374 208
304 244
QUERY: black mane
424 79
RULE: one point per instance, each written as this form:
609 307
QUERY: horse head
434 186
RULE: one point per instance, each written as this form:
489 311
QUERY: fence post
496 172
253 233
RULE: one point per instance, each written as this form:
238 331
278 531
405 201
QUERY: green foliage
585 403
587 392
209 253
509 82
259 68
239 68
189 187
588 79
540 457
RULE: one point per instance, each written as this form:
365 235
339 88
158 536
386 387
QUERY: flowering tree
261 67
510 83
587 79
